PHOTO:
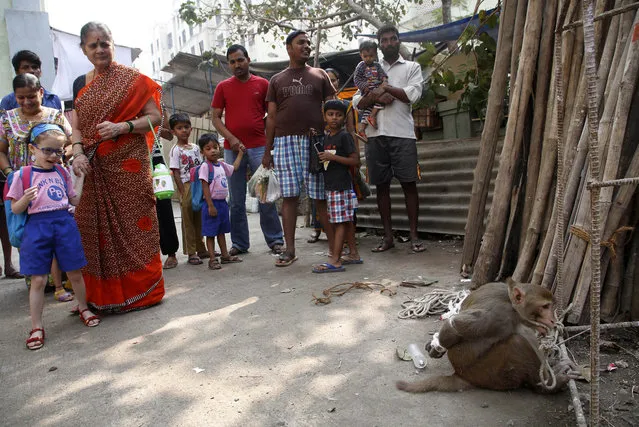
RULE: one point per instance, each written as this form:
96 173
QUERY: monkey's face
534 305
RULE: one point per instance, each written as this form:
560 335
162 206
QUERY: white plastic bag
258 184
273 191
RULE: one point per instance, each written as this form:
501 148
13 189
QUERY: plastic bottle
419 360
162 182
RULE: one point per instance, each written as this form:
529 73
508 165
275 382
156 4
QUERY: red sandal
39 341
87 320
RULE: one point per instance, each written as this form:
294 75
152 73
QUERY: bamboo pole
486 158
576 247
518 39
615 138
546 172
612 285
576 72
629 290
487 261
544 67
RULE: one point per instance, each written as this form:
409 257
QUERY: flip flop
285 259
349 261
170 263
13 274
325 267
194 260
417 246
383 246
230 260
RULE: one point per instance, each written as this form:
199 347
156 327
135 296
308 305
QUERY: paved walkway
245 346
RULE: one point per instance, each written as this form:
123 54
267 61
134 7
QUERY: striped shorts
290 158
341 205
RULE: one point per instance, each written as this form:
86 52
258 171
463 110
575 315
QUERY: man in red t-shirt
241 99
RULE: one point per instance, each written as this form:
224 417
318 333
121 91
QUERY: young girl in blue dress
50 229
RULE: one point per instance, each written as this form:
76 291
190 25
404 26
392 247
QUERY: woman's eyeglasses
48 151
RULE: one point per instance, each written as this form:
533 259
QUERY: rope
610 243
438 301
342 288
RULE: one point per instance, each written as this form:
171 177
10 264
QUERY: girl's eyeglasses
48 151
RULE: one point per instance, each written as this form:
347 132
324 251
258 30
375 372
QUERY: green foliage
475 81
276 18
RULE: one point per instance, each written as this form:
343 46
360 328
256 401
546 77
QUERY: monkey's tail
440 383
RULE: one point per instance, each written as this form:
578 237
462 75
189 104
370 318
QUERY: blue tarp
446 32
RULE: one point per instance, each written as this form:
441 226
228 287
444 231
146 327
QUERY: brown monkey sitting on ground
491 342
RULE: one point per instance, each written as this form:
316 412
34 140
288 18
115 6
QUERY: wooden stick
487 261
486 158
603 326
544 67
518 39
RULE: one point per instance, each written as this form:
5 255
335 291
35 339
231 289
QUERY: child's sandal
37 342
214 264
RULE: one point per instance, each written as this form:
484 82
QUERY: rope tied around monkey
448 303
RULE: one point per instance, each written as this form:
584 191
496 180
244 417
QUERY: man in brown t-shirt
295 98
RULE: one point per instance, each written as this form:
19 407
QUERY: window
218 19
157 44
172 55
193 50
180 42
190 31
169 40
159 65
201 47
153 63
183 36
220 40
251 39
151 48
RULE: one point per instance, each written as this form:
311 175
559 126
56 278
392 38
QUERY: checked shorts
290 158
341 205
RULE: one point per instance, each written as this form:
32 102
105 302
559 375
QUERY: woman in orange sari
111 143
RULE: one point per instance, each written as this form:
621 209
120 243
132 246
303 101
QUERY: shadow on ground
267 358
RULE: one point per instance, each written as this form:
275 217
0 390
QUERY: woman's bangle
78 143
131 126
6 171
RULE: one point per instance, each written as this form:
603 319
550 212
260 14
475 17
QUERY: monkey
492 344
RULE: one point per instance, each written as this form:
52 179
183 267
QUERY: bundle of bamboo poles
544 164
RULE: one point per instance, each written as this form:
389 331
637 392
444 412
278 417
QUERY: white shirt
396 119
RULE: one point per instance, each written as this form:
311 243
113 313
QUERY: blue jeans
269 220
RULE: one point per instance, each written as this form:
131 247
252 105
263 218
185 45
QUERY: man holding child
391 150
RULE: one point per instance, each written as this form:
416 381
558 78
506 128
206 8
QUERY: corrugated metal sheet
444 191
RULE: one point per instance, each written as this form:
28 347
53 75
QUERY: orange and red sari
116 215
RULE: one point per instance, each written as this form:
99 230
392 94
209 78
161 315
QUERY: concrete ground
246 346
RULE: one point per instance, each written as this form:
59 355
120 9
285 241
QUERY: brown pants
191 225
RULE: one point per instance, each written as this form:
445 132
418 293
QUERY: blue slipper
348 261
327 268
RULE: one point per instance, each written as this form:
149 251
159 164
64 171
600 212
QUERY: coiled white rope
437 301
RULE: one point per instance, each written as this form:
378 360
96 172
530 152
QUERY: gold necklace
32 118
